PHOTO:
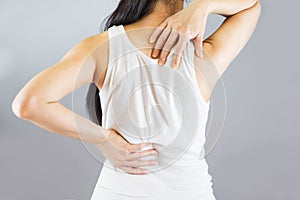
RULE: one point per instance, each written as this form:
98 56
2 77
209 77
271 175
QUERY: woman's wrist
104 137
199 8
202 6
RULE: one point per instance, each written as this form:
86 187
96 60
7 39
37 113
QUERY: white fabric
148 102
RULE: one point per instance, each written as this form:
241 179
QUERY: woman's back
141 100
146 102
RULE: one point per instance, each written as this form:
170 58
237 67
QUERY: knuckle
127 148
175 57
126 156
135 163
169 20
137 147
177 54
163 39
185 31
123 156
141 155
164 53
168 44
131 157
137 155
178 25
158 45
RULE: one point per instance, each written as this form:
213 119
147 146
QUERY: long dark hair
127 12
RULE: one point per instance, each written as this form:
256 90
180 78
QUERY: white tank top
146 102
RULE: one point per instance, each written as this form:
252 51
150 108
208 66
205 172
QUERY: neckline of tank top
121 27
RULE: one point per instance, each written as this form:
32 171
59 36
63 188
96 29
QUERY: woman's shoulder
93 41
90 45
91 49
96 46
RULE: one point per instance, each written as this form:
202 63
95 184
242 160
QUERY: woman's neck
160 13
139 31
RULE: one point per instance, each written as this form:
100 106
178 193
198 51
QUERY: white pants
102 193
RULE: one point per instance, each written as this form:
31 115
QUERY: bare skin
190 23
39 100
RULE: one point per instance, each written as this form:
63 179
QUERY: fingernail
151 40
174 65
162 61
154 55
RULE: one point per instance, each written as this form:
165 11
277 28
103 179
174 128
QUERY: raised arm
190 23
229 39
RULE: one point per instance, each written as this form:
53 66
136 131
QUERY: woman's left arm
190 23
222 46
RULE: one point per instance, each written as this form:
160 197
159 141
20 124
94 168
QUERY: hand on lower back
126 156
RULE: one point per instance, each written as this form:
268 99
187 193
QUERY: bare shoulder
95 48
100 45
94 41
87 45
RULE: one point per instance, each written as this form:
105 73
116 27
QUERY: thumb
198 46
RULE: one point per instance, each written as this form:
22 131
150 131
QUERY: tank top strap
118 45
188 53
189 56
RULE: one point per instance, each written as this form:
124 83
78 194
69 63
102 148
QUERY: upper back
134 80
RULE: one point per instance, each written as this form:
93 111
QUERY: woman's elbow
24 107
257 7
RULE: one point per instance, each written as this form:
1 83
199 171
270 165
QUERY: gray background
257 156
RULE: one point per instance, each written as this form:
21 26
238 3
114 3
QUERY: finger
131 170
178 51
158 31
137 147
198 46
167 47
140 163
160 42
142 154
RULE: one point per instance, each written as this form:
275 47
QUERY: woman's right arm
39 102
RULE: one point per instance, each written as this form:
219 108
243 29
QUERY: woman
101 59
